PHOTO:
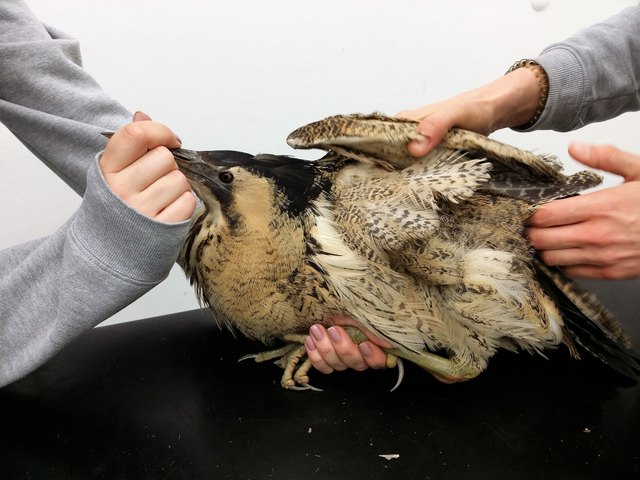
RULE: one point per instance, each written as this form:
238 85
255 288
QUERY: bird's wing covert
367 138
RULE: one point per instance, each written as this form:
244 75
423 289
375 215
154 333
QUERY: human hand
508 101
139 168
595 235
334 349
466 111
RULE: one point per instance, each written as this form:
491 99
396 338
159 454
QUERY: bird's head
238 188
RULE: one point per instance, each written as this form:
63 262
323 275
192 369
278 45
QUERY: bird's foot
290 358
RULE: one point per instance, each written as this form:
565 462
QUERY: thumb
433 125
607 158
433 128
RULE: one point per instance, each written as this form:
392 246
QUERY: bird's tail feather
589 324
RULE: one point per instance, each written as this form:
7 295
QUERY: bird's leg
392 361
358 336
446 370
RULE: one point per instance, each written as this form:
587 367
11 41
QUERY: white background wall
242 74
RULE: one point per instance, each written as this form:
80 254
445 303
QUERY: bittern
427 253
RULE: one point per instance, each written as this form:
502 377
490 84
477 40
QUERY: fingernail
423 140
365 349
334 335
309 345
140 116
316 332
426 138
581 149
179 140
419 147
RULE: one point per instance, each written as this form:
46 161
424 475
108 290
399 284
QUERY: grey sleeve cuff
594 75
566 89
122 240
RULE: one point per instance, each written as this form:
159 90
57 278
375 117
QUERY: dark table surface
165 398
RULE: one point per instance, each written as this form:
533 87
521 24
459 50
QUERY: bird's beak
202 175
190 163
185 157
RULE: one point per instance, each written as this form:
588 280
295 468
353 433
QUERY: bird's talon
301 387
298 388
312 388
248 357
400 366
392 360
277 354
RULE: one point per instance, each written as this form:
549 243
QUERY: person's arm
103 258
47 100
509 100
112 250
592 76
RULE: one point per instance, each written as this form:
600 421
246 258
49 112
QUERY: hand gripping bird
427 253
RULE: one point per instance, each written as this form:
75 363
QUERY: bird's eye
225 177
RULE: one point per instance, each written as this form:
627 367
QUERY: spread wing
403 195
382 141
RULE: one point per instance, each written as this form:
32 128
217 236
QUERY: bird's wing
383 140
513 159
519 173
514 185
380 140
403 205
372 138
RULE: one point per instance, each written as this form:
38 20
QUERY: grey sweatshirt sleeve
594 75
47 100
106 255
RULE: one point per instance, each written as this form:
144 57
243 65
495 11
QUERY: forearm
48 101
590 77
509 101
52 289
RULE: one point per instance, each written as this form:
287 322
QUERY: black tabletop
165 398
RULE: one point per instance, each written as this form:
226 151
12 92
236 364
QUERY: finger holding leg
334 349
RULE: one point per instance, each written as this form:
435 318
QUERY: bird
426 253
